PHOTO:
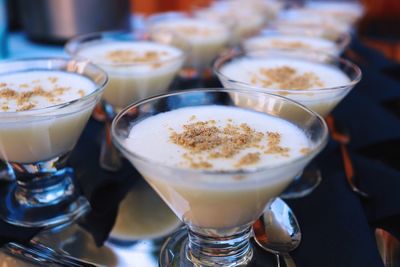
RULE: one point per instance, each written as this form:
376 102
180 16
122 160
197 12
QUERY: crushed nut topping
205 141
289 44
27 106
53 79
286 77
274 140
305 150
248 159
130 56
25 93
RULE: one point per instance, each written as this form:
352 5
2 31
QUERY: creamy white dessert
286 41
304 81
208 161
50 133
347 12
306 19
206 39
136 69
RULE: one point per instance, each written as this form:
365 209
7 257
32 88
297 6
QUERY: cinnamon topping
23 98
286 77
248 159
130 56
274 140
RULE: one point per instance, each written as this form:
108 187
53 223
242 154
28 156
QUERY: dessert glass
219 209
298 38
202 49
128 82
36 144
321 100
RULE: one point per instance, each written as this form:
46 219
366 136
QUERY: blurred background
55 21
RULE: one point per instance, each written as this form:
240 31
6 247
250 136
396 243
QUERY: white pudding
300 80
287 41
206 39
343 11
136 69
49 133
216 166
306 19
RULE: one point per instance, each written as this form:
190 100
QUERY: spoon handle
288 260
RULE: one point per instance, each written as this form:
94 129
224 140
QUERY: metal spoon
278 231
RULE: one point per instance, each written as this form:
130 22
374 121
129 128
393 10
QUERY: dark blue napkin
338 226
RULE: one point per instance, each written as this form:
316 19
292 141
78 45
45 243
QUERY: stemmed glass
298 38
320 100
217 207
206 39
129 80
37 143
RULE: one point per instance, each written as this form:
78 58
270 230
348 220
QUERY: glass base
48 207
175 253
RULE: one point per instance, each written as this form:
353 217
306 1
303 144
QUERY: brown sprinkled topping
286 77
204 139
8 93
130 56
201 165
24 96
81 93
207 141
305 150
53 79
274 140
248 159
27 106
289 44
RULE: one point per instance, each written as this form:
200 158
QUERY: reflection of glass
320 97
143 215
137 66
6 172
218 206
36 142
3 29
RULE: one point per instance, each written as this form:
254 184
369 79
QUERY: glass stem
46 189
234 250
45 183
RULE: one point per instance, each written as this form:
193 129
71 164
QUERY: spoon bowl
277 230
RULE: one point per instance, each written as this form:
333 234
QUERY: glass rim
40 111
99 36
222 59
315 150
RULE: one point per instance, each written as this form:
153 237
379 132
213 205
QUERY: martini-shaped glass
138 66
218 206
315 79
36 141
289 72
